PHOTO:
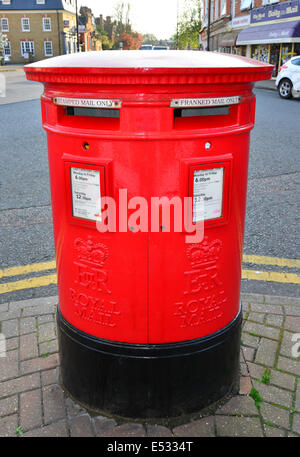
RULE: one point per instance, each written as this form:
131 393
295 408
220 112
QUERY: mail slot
148 158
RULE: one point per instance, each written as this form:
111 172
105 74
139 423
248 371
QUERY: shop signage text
241 21
274 12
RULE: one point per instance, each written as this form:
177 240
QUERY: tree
3 42
189 26
103 37
121 16
148 38
131 40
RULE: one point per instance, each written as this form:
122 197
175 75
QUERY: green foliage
266 377
103 37
256 397
3 42
19 431
189 26
148 38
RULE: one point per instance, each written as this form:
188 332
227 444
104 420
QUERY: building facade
88 40
267 30
37 29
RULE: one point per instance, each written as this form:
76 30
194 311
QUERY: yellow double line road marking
28 283
39 281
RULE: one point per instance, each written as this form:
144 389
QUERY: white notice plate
87 102
86 193
208 194
205 102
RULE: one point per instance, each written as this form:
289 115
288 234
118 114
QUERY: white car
288 79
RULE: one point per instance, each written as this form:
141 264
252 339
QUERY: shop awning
282 32
228 39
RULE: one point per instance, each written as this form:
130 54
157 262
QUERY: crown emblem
90 251
205 253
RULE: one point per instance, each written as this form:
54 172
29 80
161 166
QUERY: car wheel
285 88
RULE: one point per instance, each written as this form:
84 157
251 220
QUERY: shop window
264 54
297 49
286 53
254 51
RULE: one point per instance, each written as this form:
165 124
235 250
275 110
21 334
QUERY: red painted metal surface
148 287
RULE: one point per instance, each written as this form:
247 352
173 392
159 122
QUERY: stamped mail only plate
205 102
87 102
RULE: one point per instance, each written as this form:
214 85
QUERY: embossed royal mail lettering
91 294
92 278
96 309
204 296
200 311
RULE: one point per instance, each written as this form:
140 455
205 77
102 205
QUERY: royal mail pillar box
144 148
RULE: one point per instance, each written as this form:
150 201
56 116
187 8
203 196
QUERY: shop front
228 42
270 39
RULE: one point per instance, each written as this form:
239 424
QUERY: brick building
108 26
87 27
266 30
38 29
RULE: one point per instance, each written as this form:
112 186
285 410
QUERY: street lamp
208 24
77 32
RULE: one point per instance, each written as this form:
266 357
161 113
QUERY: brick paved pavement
33 404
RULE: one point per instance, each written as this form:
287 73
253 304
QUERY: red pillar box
149 310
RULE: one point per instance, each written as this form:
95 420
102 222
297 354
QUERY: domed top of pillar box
148 68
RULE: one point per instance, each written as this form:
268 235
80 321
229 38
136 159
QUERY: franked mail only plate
205 102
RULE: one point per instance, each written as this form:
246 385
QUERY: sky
158 17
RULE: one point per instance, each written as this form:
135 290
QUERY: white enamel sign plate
208 194
86 193
205 102
87 102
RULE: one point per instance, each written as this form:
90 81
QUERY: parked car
160 47
288 79
146 47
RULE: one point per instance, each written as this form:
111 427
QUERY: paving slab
33 403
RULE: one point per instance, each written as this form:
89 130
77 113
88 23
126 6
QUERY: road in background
272 222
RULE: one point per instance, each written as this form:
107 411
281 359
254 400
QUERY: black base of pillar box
155 380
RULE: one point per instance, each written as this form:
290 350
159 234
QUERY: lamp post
208 24
77 32
177 32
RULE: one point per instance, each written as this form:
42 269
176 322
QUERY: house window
48 48
246 4
217 9
27 47
4 24
223 7
40 2
25 24
5 2
7 49
46 24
